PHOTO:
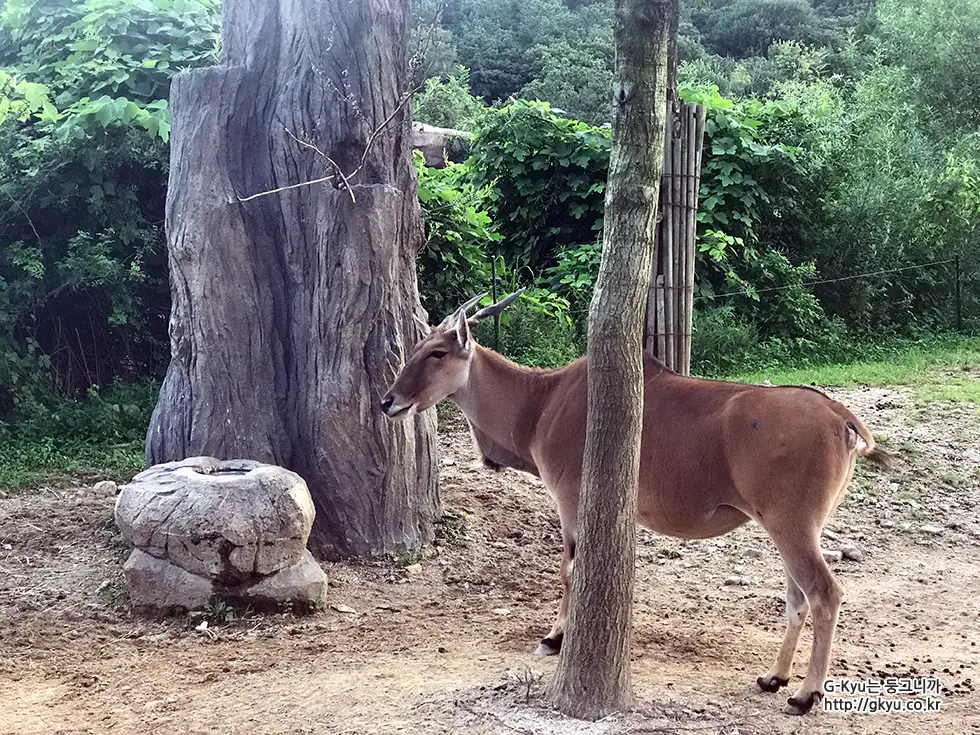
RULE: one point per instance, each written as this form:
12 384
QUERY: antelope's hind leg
805 564
797 609
551 643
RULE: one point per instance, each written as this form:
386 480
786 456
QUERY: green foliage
720 342
749 27
447 102
925 364
83 160
574 274
120 414
48 463
116 48
59 440
501 42
535 331
934 44
904 193
538 329
575 79
547 177
454 263
547 180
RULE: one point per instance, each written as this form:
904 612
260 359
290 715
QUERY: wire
826 280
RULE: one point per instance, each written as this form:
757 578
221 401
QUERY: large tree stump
291 311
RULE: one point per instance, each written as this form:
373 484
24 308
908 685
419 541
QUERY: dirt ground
449 648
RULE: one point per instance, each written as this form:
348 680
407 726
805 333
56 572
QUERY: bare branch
336 166
344 177
285 188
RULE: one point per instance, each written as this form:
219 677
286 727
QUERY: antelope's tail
885 460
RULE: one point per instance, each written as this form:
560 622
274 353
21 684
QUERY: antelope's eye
438 354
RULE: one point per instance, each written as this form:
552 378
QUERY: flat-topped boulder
207 529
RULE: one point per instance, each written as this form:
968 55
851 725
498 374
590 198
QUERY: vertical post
699 113
493 295
667 229
959 297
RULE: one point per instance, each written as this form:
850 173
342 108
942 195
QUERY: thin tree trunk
291 311
593 675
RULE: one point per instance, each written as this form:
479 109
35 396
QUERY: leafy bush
454 263
447 103
83 158
119 414
721 342
535 331
547 178
575 79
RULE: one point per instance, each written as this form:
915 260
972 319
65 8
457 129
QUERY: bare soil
449 648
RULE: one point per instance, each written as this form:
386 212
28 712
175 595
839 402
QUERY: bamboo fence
670 306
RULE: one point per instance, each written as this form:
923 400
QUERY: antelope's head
440 364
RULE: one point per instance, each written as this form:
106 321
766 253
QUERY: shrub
454 264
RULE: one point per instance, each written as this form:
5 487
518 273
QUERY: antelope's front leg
551 644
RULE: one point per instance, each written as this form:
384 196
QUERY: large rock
159 585
439 146
206 529
303 582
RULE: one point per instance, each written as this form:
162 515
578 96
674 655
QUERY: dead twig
338 172
336 166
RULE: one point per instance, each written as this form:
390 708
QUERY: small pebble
931 529
754 552
413 569
831 556
852 552
736 581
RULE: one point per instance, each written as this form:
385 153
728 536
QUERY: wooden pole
687 159
675 189
699 113
661 315
669 255
959 297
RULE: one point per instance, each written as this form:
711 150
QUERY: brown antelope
714 454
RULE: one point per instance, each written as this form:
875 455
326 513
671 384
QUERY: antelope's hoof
771 683
549 646
800 704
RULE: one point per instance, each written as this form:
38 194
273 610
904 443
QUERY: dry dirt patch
447 649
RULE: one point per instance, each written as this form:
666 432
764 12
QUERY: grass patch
69 440
953 388
930 367
27 464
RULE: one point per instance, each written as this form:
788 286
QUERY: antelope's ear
423 326
463 332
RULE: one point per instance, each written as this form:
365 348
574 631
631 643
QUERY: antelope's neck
502 402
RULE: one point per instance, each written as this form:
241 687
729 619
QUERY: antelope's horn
462 309
494 309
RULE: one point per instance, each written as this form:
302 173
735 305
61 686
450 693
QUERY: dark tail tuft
885 460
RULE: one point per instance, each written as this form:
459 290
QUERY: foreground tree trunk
291 311
593 675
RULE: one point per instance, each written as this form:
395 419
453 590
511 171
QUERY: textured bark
593 675
291 312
